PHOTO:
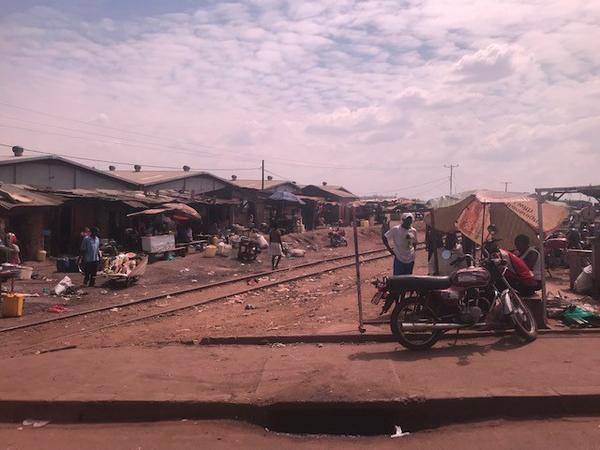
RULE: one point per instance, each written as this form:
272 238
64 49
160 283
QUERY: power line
83 158
276 174
182 150
406 187
191 152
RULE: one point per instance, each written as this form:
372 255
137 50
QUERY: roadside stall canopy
513 214
288 197
178 211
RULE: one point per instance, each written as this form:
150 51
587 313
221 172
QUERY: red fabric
518 269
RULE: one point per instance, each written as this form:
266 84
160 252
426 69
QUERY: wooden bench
536 306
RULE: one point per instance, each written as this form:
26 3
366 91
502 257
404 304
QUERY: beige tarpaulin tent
513 214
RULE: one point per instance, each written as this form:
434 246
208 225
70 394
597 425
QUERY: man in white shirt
404 239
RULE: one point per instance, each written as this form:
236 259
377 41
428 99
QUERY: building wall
57 175
199 184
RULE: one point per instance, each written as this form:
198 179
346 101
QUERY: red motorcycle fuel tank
471 277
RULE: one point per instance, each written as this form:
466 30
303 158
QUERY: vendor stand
471 214
164 242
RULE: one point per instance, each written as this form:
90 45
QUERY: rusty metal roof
23 196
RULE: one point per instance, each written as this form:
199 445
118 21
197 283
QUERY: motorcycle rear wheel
523 320
411 310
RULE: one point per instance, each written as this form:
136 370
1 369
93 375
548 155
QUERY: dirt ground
573 433
166 276
323 303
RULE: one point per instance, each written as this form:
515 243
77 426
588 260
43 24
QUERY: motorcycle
477 297
337 238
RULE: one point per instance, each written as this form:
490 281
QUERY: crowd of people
446 253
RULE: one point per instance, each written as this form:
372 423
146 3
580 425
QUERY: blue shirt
90 247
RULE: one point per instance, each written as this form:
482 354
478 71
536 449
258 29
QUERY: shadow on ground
461 351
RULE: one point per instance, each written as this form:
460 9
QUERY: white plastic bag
262 242
585 281
63 285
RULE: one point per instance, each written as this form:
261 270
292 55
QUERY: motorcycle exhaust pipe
432 326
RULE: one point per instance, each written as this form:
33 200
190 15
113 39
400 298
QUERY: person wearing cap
404 239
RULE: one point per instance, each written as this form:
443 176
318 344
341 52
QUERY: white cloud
506 88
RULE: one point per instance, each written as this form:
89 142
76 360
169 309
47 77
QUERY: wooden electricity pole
451 167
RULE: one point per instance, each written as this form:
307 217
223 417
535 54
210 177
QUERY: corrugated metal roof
17 195
151 177
257 184
8 160
338 191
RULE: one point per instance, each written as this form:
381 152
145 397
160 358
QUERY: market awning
288 197
177 210
471 213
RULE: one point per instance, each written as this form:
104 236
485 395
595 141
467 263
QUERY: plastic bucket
210 251
41 256
25 273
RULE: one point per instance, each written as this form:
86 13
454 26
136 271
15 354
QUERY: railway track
322 266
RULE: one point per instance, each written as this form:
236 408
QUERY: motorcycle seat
402 283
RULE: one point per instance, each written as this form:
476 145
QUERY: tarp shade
513 214
179 209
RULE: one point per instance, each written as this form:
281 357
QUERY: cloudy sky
375 95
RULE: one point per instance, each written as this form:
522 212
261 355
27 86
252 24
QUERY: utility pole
451 167
263 175
506 183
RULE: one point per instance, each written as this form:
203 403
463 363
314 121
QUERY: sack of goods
122 264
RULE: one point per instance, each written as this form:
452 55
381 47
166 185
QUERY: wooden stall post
361 327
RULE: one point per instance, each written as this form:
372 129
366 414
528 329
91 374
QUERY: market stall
471 213
161 237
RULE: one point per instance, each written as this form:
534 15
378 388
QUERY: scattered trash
585 281
35 423
278 345
168 296
210 274
31 295
63 285
184 270
320 345
58 349
250 306
576 316
57 309
46 291
104 292
194 281
399 433
115 309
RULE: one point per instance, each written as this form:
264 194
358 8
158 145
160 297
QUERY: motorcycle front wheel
412 311
523 320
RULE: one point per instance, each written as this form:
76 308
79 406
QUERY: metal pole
483 229
436 263
361 327
263 175
542 236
